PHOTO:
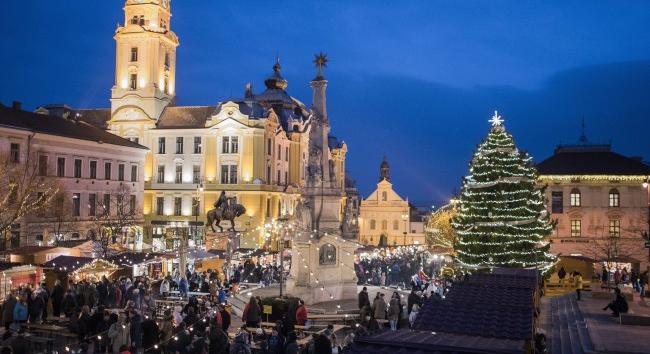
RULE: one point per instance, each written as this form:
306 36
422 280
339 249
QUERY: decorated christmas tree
502 219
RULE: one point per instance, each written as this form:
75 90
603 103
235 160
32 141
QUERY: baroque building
599 199
99 177
255 147
387 218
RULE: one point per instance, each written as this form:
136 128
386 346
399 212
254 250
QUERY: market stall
14 277
94 271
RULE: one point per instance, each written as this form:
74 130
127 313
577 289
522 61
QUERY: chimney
16 105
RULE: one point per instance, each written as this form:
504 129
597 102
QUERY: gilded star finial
496 119
320 60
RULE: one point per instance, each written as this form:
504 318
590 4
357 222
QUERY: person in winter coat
251 314
291 346
150 333
119 333
20 311
183 287
164 287
241 343
136 329
166 328
414 314
322 345
218 340
619 305
363 298
301 313
393 313
101 329
8 310
413 299
380 307
225 319
84 322
57 298
275 342
69 303
35 306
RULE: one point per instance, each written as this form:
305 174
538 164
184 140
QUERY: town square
316 177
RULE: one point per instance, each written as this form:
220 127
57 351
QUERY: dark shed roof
591 160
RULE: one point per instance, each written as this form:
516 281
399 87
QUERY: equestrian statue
225 209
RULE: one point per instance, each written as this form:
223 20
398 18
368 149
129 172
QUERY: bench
634 319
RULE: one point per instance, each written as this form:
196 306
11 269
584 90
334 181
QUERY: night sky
416 81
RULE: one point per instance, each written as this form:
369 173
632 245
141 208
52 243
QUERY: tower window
134 82
141 20
134 54
134 20
166 60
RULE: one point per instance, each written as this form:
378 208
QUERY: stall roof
67 262
129 259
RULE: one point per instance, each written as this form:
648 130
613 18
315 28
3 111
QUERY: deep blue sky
414 80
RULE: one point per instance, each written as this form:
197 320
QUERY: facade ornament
225 209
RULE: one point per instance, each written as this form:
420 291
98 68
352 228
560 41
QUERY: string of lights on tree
502 219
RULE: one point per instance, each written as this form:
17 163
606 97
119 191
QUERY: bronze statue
225 209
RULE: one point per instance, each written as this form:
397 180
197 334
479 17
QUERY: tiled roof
54 125
420 342
591 160
97 117
184 117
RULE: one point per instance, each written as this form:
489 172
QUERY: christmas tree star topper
496 119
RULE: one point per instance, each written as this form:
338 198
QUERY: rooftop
591 160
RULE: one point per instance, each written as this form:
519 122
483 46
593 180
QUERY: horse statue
225 209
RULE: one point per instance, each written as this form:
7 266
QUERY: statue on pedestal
225 209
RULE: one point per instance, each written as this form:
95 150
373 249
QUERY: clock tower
145 64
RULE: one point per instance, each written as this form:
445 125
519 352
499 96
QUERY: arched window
384 196
327 254
614 198
395 225
575 199
384 224
373 224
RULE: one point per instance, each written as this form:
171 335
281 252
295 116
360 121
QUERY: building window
576 227
60 167
134 20
196 174
107 170
268 174
93 169
15 153
160 205
229 174
42 165
120 172
279 155
92 204
195 206
277 180
395 225
132 204
161 174
161 145
557 203
269 143
197 144
614 228
77 168
230 145
107 204
178 203
76 204
179 145
575 200
373 224
286 177
178 178
384 224
614 198
134 173
384 196
133 82
166 60
286 154
141 20
268 207
134 54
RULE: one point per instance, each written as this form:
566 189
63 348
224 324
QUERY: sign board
268 309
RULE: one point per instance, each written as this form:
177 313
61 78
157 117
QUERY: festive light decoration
502 220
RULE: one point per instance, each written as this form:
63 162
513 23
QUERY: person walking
561 274
578 284
363 298
57 298
119 333
8 310
393 313
301 313
643 283
251 314
380 307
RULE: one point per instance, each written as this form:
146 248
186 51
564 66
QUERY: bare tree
114 216
439 234
24 188
60 216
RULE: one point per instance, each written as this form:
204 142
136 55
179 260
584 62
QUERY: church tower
145 62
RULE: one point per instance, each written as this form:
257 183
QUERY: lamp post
405 217
197 207
182 256
282 221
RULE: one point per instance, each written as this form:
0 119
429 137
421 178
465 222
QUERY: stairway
565 326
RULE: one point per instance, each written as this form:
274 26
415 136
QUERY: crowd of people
395 267
257 272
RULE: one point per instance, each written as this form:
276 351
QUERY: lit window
614 198
614 228
575 198
576 227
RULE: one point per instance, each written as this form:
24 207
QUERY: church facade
255 148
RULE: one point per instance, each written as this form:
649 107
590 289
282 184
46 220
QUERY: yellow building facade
254 148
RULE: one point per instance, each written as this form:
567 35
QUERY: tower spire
583 135
384 170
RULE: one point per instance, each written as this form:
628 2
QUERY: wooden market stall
95 270
15 277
